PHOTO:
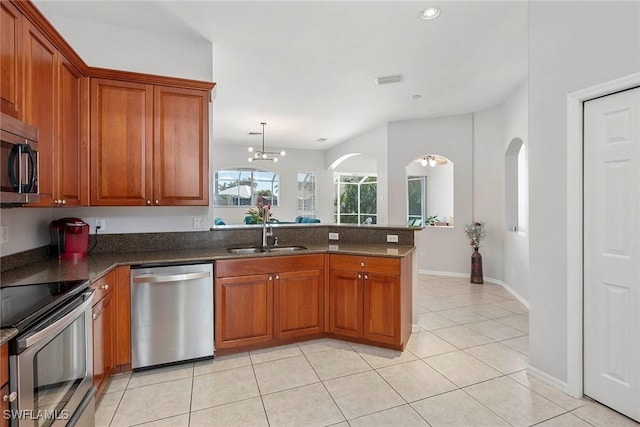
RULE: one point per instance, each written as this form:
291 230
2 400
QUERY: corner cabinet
149 144
268 301
370 299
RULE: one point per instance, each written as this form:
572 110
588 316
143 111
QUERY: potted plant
475 233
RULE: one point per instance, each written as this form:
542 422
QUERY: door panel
381 308
345 306
611 251
298 303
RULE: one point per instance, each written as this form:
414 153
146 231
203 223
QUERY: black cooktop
22 305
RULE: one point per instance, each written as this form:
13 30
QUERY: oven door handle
58 326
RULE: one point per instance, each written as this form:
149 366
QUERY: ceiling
308 68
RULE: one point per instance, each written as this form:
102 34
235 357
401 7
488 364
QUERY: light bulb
251 159
251 149
283 153
264 155
432 161
423 162
275 159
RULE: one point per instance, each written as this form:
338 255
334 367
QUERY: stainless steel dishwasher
171 314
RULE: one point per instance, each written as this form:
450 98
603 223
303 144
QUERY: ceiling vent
395 78
321 139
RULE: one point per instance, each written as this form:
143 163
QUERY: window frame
253 183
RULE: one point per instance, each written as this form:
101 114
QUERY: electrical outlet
392 238
334 236
198 221
5 235
102 224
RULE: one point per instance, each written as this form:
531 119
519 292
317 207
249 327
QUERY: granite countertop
97 265
6 334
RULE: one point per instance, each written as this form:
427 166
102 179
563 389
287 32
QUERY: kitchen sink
286 248
247 250
258 249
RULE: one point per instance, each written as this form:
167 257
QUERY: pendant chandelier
432 161
270 156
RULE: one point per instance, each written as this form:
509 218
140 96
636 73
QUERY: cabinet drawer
266 265
369 264
103 286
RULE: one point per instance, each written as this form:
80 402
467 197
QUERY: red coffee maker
69 238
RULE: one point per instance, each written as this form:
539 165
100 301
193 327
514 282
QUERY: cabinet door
123 318
244 310
103 341
181 147
11 64
40 105
121 143
382 308
71 162
345 303
298 303
4 405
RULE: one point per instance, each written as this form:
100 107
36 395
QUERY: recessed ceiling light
416 97
430 13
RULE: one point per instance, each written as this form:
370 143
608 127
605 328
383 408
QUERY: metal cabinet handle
362 264
10 397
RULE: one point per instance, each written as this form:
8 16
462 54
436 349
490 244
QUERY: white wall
439 248
28 228
127 49
230 155
572 45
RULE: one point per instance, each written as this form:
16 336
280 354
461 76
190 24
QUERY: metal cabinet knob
157 201
56 202
359 276
105 287
10 397
64 202
148 202
362 264
95 316
366 276
270 277
277 276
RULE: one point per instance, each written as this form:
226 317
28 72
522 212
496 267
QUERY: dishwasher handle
170 277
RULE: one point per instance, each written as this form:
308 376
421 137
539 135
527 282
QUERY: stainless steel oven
51 368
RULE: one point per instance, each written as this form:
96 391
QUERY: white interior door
612 251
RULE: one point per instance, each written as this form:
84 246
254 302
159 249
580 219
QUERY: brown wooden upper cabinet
54 91
10 66
149 144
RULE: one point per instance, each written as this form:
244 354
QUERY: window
416 208
242 186
307 194
516 186
355 199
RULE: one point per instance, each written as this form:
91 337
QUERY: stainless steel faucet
266 216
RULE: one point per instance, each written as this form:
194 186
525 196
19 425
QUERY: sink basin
248 250
258 249
286 248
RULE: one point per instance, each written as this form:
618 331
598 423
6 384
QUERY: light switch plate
4 238
392 238
334 236
198 222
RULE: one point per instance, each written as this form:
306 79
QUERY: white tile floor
466 367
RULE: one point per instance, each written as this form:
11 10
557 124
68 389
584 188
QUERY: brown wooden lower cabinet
244 310
259 302
104 344
370 299
4 384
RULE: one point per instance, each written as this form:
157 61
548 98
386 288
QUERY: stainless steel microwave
18 162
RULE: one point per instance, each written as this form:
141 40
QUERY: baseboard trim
487 279
548 379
